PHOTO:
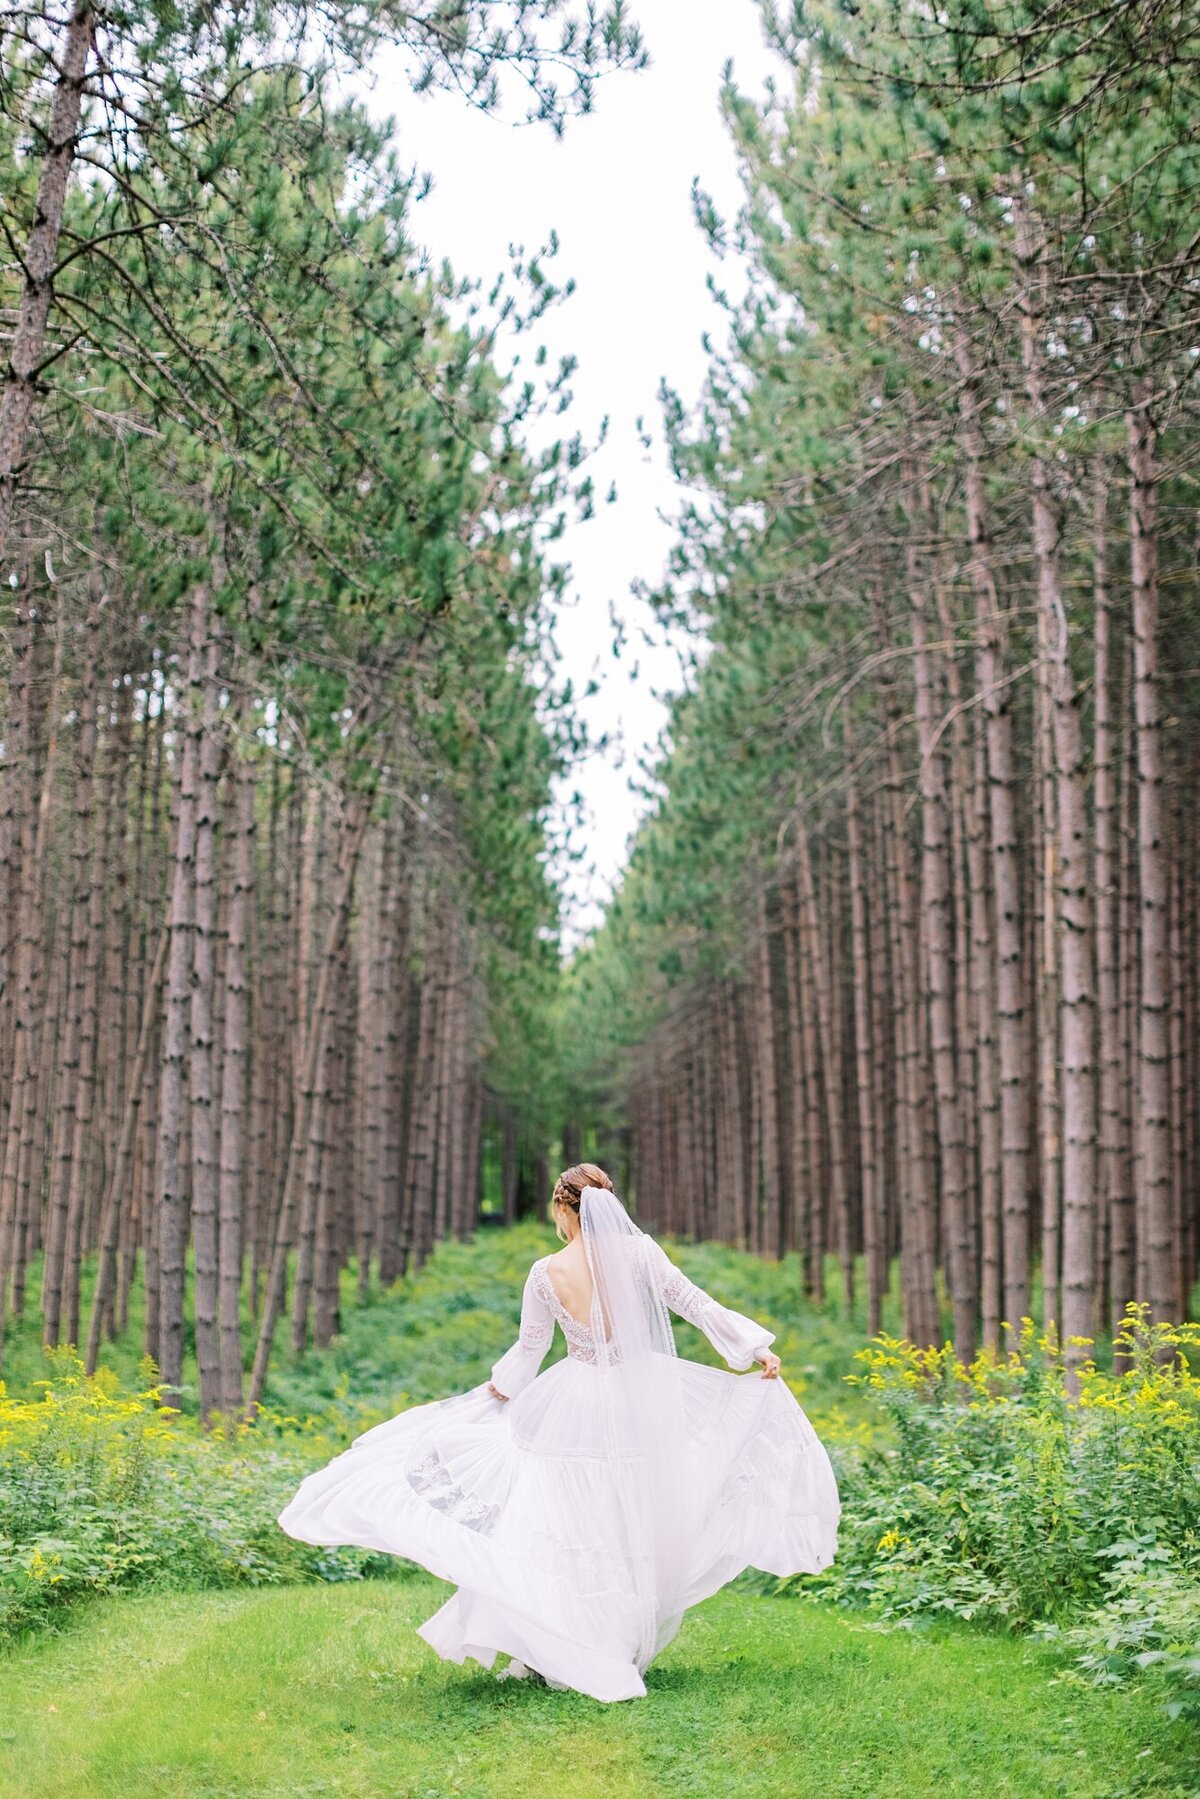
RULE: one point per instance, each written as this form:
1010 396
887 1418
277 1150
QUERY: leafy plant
1002 1494
105 1490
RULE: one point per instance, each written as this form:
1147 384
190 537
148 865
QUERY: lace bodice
581 1344
737 1338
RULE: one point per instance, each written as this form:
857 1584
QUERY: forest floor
303 1691
299 1691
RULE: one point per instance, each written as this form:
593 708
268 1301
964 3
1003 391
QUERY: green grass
299 1692
325 1690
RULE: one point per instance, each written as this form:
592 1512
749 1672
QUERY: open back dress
579 1520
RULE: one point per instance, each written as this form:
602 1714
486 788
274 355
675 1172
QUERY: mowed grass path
303 1691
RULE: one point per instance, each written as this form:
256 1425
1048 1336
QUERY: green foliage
985 1494
435 1332
342 464
995 1496
878 227
104 1491
1150 1628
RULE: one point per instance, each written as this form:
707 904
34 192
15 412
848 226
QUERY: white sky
617 190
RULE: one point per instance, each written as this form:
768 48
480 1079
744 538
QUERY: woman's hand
770 1364
495 1392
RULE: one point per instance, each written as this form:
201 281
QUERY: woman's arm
738 1338
519 1365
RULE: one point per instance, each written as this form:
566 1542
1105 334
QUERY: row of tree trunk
964 1023
241 1011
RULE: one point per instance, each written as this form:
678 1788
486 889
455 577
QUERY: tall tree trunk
795 1232
1153 1044
269 1070
202 1082
17 802
316 1102
980 1081
1179 1207
419 1179
122 973
1076 947
1047 999
23 1108
316 1052
397 1062
110 1219
40 258
1003 844
333 1186
847 1223
86 1154
370 1055
79 914
768 1056
234 1061
173 1187
1128 908
917 1243
874 1224
810 1238
1115 1190
936 901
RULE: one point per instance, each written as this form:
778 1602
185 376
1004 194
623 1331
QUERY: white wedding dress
580 1519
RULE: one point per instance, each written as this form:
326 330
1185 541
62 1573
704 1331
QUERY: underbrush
986 1493
994 1495
105 1490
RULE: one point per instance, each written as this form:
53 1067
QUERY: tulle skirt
521 1506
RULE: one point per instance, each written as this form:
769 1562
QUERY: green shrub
998 1495
102 1490
990 1492
1149 1626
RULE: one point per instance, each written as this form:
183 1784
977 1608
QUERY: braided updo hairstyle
568 1188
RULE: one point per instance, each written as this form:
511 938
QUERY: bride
580 1512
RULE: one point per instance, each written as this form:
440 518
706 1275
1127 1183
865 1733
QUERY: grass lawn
304 1691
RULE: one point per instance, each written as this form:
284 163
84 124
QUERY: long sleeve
519 1365
738 1338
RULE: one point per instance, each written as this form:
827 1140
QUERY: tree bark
316 1049
917 1242
874 1227
936 902
23 1109
830 1066
1004 847
203 1086
111 1211
1046 996
1153 1044
79 914
768 1056
235 1058
1076 947
1116 1195
40 259
173 1194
